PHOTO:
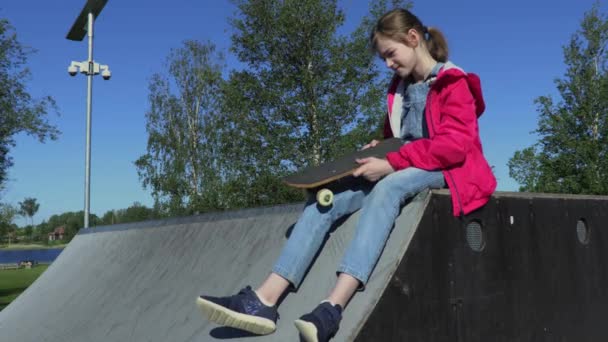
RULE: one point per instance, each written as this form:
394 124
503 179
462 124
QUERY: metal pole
87 180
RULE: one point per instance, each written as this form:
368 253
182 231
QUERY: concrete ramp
526 267
139 282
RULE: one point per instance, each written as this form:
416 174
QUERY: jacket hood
451 73
448 74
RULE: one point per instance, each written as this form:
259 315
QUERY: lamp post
81 27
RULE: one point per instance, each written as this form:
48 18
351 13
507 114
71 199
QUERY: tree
525 168
307 94
7 215
179 166
29 207
135 213
110 217
20 112
42 230
71 221
571 156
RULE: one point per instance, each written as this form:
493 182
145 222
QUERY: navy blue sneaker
243 311
321 324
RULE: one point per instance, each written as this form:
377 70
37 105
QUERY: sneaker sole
226 317
307 330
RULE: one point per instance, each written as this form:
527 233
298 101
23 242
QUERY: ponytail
437 45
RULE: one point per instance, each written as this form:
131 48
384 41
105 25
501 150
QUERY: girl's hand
371 144
373 168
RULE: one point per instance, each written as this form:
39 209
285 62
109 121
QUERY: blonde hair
395 25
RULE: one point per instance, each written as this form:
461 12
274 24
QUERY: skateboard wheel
325 197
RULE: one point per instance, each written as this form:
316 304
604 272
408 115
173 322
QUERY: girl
433 106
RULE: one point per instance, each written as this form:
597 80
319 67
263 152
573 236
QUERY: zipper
449 173
457 194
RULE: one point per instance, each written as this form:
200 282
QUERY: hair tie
427 35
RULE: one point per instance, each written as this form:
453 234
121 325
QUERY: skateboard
319 178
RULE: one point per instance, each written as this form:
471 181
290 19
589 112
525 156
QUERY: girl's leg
324 321
306 238
345 288
377 218
274 286
379 212
256 311
272 289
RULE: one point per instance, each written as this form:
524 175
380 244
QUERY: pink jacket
454 103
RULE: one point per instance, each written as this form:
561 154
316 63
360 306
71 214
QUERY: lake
39 255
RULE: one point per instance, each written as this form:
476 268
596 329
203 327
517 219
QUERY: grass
19 246
13 282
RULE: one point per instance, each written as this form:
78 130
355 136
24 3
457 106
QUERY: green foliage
42 230
181 154
525 169
571 156
29 207
135 213
7 215
308 94
14 282
20 112
72 221
28 231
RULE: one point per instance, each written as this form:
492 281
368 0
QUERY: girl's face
398 56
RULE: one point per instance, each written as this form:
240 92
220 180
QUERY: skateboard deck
316 176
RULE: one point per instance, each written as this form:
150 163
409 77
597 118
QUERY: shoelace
248 289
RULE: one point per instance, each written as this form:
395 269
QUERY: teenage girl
433 106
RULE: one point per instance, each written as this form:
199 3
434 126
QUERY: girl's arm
452 137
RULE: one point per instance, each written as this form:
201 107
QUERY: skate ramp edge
139 282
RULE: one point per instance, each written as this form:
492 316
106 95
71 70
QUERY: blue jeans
380 203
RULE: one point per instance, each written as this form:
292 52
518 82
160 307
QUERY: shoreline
17 247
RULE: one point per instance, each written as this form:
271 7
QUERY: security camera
106 74
72 70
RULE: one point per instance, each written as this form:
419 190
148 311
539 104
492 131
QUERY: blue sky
515 46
